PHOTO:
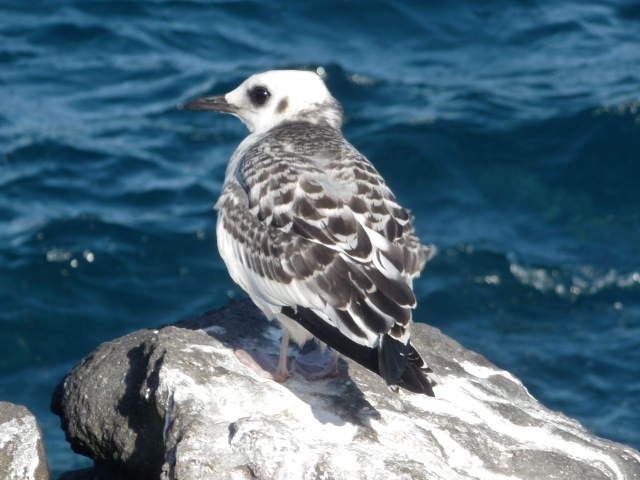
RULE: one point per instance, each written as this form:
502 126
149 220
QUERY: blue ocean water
511 130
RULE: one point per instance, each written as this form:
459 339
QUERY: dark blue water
511 129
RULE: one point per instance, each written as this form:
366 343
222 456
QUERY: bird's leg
283 360
318 364
269 366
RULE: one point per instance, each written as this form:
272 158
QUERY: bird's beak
218 104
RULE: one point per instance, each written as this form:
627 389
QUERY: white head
266 100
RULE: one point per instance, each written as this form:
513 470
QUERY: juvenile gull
309 229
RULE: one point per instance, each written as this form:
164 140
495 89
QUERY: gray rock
175 403
101 410
21 451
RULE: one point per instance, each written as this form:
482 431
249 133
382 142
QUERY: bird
310 230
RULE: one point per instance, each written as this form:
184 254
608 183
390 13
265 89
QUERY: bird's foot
265 365
318 364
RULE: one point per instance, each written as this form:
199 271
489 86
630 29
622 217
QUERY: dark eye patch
282 106
259 95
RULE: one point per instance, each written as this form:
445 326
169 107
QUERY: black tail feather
397 363
330 335
416 380
392 358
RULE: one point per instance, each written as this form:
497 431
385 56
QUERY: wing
310 180
321 230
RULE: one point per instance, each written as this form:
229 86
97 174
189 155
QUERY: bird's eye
259 95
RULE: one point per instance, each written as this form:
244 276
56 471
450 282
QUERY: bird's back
311 231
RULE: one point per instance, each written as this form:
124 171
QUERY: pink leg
266 365
283 360
317 364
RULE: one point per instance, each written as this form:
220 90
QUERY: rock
21 451
175 403
103 413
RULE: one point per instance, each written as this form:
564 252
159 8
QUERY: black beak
218 104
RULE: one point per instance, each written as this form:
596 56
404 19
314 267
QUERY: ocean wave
575 282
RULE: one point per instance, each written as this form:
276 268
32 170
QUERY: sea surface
511 129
